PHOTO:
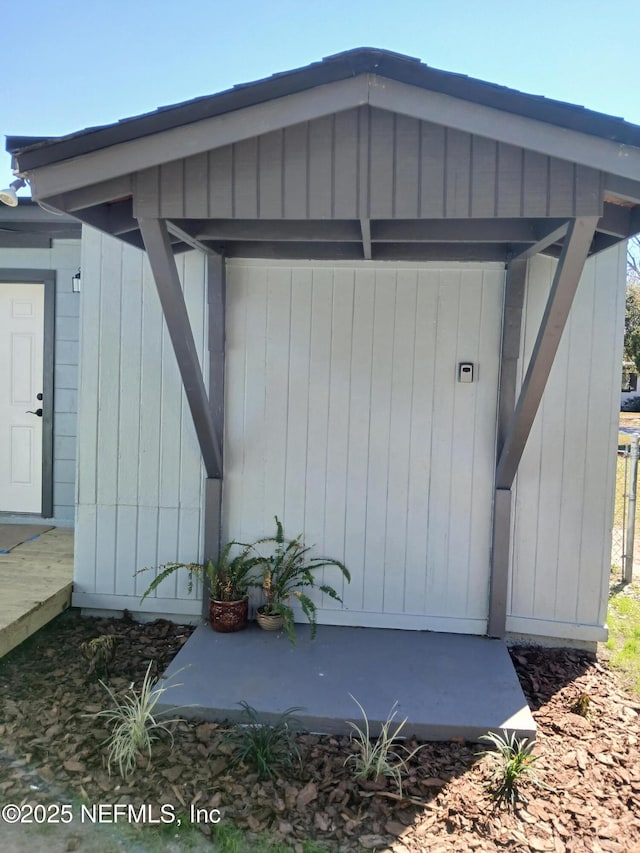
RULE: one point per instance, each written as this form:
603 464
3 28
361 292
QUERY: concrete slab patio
447 685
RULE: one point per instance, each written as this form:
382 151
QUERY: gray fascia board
345 65
143 153
528 133
383 93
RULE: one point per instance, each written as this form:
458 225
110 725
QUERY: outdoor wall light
76 282
9 196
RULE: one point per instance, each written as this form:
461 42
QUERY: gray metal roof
36 152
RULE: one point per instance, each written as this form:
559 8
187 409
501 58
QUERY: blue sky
70 64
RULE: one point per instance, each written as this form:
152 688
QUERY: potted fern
286 574
228 579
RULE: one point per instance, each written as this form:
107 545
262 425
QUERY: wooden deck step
36 579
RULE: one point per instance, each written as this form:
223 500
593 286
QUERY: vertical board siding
564 488
344 417
139 471
368 163
64 258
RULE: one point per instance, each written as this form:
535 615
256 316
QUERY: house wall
564 489
345 418
139 470
64 258
367 162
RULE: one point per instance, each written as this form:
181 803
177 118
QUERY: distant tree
633 261
632 307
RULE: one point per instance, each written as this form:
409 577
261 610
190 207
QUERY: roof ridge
333 68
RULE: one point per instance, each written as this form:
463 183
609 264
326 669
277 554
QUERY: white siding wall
64 258
344 417
139 470
564 489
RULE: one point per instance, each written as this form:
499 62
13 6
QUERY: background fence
625 544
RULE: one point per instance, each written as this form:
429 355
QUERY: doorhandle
37 412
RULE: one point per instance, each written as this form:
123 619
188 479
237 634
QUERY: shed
381 301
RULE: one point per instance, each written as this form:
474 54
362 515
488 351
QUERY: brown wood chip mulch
588 759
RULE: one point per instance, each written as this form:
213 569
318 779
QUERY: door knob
37 412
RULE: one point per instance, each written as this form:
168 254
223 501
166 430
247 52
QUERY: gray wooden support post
216 300
510 353
500 559
165 273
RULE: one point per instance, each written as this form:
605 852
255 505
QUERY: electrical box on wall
465 371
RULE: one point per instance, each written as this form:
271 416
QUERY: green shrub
266 748
511 762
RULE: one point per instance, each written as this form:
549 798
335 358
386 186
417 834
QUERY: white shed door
21 345
345 417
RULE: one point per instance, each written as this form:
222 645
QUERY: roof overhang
343 66
95 174
28 226
53 168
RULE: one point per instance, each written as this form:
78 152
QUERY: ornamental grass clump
133 725
511 760
265 748
375 758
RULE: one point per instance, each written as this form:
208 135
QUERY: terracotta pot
269 622
228 616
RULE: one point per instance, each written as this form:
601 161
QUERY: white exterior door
21 377
345 417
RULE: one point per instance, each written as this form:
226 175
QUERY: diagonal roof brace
551 236
574 254
187 238
365 227
165 273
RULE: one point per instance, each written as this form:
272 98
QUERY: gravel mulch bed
588 759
